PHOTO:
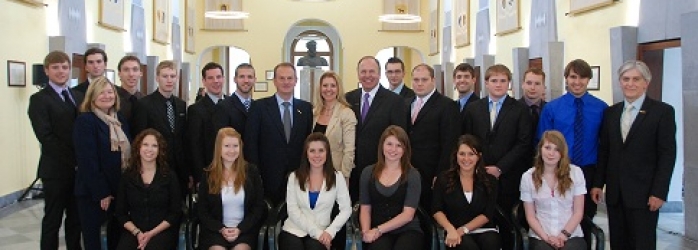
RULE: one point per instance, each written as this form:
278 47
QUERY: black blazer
231 113
99 168
148 206
210 206
641 166
386 109
433 134
151 112
52 120
508 144
82 87
127 105
201 135
406 93
473 97
457 208
534 122
266 146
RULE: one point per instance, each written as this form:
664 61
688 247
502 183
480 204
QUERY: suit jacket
641 166
457 209
266 145
82 87
433 134
473 97
302 220
52 120
231 113
534 122
151 112
201 135
99 168
210 206
385 110
406 93
508 144
148 206
341 133
127 105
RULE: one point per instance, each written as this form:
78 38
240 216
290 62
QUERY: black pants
479 241
292 242
59 199
354 183
589 204
632 228
407 240
92 217
574 243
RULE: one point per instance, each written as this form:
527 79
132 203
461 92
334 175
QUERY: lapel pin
643 111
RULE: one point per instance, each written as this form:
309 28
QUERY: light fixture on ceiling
399 18
227 14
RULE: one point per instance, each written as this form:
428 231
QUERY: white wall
672 93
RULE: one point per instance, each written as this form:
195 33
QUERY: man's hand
493 170
655 203
596 195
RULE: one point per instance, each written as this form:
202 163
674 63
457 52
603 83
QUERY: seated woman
311 193
553 196
231 205
149 202
465 199
389 196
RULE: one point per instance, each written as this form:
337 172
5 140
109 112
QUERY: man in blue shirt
577 115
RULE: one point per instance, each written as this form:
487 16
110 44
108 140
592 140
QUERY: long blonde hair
319 102
215 170
93 90
562 172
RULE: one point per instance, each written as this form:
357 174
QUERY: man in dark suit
95 60
533 92
200 131
275 132
432 128
129 74
376 108
52 112
503 126
233 111
167 114
464 81
395 72
637 153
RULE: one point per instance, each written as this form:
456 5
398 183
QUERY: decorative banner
401 7
71 19
223 24
433 27
138 31
190 24
111 14
461 22
508 16
577 6
176 42
161 17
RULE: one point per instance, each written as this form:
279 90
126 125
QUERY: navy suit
266 145
231 113
201 135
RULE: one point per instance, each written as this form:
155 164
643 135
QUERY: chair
598 237
426 223
281 214
507 232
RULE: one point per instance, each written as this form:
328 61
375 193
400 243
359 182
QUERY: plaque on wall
461 22
578 6
508 16
433 27
401 7
223 24
189 24
161 24
111 14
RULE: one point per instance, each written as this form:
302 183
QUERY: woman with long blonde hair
553 196
231 205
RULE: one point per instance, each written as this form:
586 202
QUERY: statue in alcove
312 60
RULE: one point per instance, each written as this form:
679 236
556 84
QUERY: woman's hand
144 238
453 238
371 235
230 234
104 203
326 239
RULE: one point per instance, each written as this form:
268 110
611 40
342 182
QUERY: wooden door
652 54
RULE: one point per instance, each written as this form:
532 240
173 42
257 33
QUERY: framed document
508 16
433 27
594 82
111 14
161 21
461 23
190 25
16 74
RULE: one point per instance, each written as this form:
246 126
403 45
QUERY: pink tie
417 107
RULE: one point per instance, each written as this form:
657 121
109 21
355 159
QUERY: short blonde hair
95 88
319 102
167 64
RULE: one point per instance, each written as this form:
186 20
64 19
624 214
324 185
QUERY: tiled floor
20 225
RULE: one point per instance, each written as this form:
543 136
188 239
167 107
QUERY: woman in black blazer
231 204
465 199
102 150
149 204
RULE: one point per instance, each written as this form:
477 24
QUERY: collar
426 97
57 88
530 102
398 89
279 100
213 97
242 99
500 100
372 93
637 103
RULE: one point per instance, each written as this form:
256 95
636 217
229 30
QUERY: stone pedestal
308 80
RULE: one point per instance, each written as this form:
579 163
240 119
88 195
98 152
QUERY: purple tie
364 108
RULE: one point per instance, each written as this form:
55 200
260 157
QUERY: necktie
534 113
219 101
627 121
66 98
578 147
287 120
493 114
247 105
417 107
364 108
170 115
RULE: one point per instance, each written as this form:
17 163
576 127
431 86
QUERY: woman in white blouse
553 197
311 193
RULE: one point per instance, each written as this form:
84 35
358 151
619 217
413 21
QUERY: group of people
111 153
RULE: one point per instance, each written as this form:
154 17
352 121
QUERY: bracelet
135 231
465 230
379 230
567 234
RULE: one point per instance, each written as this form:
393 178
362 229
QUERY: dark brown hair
580 67
303 171
401 137
452 174
55 56
134 167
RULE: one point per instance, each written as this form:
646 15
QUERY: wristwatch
465 230
567 234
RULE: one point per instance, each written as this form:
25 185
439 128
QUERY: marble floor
20 226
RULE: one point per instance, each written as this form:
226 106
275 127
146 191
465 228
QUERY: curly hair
562 172
135 166
452 173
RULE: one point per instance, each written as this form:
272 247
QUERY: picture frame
433 27
16 74
161 21
261 87
111 15
190 25
508 16
110 74
594 82
579 6
461 22
269 75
